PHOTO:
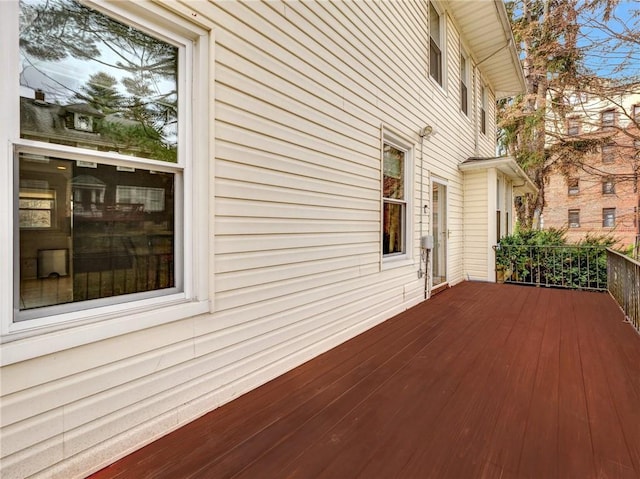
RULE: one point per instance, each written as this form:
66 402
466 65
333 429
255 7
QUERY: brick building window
574 218
573 126
635 112
608 118
608 186
608 217
608 153
573 186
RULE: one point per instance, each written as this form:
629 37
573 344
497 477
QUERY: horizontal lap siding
476 224
302 90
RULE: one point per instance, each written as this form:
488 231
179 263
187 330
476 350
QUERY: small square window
573 186
608 217
608 187
83 122
574 218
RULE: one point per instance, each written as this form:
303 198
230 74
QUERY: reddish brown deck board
336 453
326 425
574 435
483 380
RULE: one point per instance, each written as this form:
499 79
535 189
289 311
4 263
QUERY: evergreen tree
101 92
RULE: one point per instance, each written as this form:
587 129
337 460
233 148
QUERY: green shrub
544 257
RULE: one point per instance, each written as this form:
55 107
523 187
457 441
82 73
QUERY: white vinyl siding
476 224
301 92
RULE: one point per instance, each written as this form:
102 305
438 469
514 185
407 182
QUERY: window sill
438 86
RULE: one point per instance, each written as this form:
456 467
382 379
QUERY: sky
610 58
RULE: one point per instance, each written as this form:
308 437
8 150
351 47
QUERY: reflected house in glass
82 125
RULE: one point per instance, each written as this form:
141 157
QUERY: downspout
422 205
476 125
424 252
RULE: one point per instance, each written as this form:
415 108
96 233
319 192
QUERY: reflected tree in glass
76 54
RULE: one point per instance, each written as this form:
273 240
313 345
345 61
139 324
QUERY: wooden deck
481 381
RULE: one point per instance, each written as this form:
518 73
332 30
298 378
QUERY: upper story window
436 43
573 186
608 118
573 126
396 163
464 82
574 219
609 153
103 162
483 109
635 113
608 217
608 186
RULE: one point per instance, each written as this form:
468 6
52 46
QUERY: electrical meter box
426 242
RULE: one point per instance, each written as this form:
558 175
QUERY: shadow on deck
481 381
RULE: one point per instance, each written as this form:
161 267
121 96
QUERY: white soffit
484 26
506 165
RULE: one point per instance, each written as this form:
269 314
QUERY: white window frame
77 327
401 143
465 78
442 45
483 120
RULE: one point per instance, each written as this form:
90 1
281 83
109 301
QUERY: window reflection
89 81
92 231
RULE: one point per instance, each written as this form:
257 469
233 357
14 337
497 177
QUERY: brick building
598 194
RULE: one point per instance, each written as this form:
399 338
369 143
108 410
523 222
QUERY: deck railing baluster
624 284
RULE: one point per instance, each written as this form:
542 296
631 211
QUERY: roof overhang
508 166
485 27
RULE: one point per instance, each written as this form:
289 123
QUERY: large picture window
103 173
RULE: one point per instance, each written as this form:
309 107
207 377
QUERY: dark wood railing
624 284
